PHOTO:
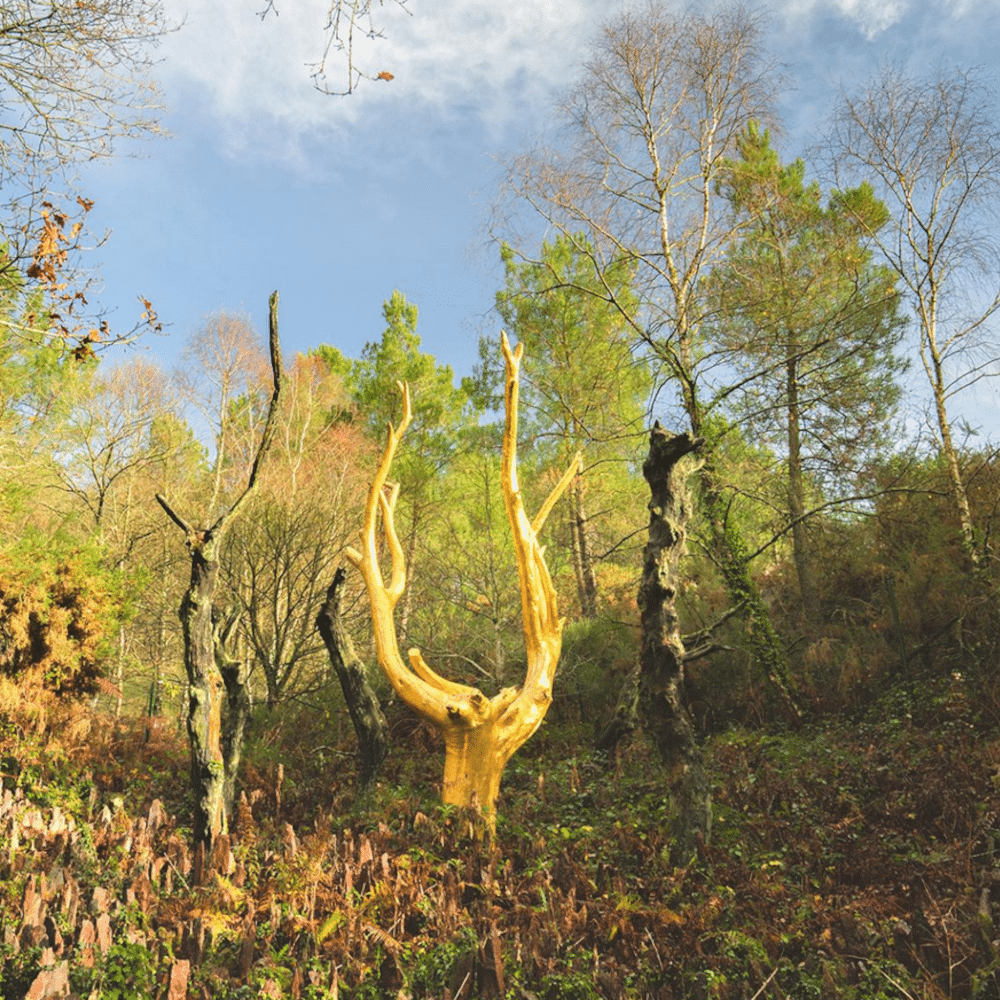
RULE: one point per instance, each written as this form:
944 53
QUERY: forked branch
416 690
480 733
539 607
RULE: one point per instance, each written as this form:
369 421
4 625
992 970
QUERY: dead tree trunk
204 715
370 724
205 681
661 658
480 734
234 673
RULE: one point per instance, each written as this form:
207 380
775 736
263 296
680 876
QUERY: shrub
55 620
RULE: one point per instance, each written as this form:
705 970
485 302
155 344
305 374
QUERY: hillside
851 859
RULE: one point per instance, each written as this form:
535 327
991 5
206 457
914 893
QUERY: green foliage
18 970
811 322
438 406
581 386
597 656
582 389
127 972
429 972
568 986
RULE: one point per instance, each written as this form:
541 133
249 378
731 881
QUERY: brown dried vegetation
54 620
844 858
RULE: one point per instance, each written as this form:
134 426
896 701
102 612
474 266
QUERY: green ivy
127 972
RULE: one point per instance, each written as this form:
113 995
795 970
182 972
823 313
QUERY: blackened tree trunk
369 722
205 681
661 658
204 716
235 676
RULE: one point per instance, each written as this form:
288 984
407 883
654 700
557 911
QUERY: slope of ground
853 859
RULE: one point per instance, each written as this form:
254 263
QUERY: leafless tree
74 79
111 422
931 148
214 754
222 361
644 138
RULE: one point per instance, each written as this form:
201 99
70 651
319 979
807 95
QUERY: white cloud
873 16
252 77
491 64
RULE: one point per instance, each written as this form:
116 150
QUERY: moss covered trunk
661 657
205 694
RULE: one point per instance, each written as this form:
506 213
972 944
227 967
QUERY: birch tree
931 147
645 136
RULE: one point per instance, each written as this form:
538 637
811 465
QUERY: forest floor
855 858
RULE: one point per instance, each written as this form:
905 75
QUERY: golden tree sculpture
481 734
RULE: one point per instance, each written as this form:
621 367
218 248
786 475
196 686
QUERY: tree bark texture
234 674
959 493
369 722
205 680
586 577
205 686
661 658
796 490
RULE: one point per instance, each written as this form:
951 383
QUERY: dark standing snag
661 658
370 724
205 681
235 677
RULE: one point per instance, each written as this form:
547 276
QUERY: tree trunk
205 683
661 658
411 556
959 494
204 717
731 555
474 761
796 493
481 734
586 578
625 718
370 724
234 673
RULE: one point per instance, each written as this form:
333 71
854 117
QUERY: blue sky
268 184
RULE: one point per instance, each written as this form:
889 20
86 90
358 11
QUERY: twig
763 986
656 951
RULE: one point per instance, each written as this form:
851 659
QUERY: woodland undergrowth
852 859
